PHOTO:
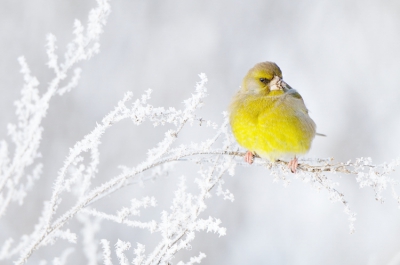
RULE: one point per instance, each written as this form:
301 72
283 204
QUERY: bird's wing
293 93
300 102
294 99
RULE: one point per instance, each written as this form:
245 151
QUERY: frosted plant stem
17 158
203 196
90 197
39 116
31 128
168 245
21 153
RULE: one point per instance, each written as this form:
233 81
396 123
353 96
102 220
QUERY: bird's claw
293 165
249 157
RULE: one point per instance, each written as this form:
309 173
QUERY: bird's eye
264 80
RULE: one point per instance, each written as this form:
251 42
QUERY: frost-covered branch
32 107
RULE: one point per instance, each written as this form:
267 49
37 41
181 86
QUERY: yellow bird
269 118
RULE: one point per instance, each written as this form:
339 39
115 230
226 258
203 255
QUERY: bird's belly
274 134
245 130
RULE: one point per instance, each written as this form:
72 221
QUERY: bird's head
264 78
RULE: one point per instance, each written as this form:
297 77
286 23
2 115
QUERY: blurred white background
342 56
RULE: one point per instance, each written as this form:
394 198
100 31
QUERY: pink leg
293 165
248 157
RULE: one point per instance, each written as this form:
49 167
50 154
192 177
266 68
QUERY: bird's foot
293 165
249 157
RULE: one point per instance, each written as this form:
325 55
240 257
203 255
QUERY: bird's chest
256 121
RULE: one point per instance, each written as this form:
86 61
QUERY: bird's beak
278 84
